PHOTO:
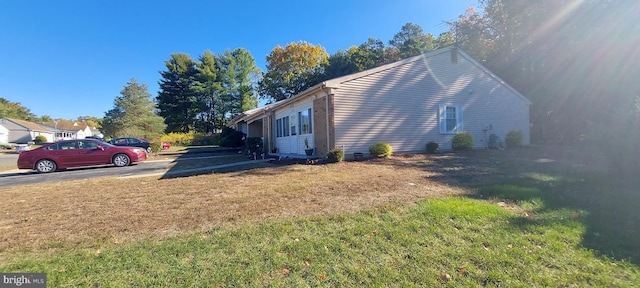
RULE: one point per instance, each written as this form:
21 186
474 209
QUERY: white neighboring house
4 135
23 132
407 104
68 130
95 132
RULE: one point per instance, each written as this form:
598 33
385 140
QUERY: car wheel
148 149
46 166
121 160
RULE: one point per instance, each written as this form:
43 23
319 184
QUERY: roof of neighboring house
251 114
28 125
336 82
65 126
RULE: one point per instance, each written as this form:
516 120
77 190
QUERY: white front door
293 130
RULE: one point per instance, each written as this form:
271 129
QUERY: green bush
514 139
462 141
335 156
40 139
212 139
380 149
155 147
432 147
231 138
254 145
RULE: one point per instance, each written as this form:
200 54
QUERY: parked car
166 145
132 142
94 137
22 147
78 153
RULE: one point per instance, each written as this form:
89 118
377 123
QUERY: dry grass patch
90 213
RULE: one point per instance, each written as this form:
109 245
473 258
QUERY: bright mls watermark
23 280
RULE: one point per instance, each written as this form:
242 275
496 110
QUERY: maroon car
78 153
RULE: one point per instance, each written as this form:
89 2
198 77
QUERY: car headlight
137 150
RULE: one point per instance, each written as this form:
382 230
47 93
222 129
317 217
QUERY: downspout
326 99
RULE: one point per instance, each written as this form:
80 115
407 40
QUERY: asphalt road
149 167
8 159
29 177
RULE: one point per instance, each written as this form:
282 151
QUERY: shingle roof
27 124
69 126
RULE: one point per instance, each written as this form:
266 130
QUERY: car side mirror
100 147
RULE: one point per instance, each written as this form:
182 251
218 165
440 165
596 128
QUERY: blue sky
69 58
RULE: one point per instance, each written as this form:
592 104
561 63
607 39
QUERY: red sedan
78 153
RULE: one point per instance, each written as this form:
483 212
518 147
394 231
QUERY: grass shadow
553 189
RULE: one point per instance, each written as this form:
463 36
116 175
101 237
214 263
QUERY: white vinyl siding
401 105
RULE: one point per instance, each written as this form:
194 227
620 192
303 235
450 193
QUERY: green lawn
475 242
553 227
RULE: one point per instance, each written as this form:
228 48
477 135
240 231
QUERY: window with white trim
282 127
450 119
304 117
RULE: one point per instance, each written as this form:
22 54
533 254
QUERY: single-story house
407 104
95 132
4 135
68 130
23 132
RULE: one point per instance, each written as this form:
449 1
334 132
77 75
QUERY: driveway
164 166
8 159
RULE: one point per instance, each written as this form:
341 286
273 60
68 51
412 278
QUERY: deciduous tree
15 110
291 70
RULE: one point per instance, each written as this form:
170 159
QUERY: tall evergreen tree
412 41
208 89
238 74
177 99
133 114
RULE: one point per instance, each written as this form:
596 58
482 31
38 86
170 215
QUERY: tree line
575 60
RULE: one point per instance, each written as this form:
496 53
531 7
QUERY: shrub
184 139
254 145
40 139
335 156
462 141
155 147
432 147
514 139
380 149
231 138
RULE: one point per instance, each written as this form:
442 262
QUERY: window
86 144
282 127
279 127
67 145
285 125
450 119
305 121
